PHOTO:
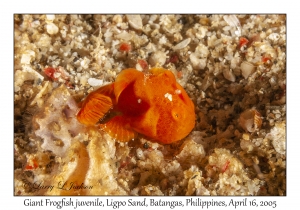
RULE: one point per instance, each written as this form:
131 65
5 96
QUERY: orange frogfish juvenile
152 104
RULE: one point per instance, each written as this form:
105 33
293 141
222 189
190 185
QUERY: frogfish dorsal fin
124 79
163 76
157 70
96 105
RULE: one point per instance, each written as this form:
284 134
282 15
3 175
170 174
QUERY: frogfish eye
175 114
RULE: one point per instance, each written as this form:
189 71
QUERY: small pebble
51 28
50 17
158 57
247 69
135 21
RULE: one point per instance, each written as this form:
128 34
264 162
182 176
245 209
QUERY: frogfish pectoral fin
96 105
119 128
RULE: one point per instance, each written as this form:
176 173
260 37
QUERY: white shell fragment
247 69
182 44
229 75
135 21
199 57
95 82
233 21
124 35
250 120
277 135
274 36
26 57
267 48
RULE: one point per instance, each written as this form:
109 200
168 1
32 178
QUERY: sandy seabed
233 67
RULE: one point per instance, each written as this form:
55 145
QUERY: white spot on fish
177 91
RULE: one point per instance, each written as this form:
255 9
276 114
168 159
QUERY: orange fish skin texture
152 104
